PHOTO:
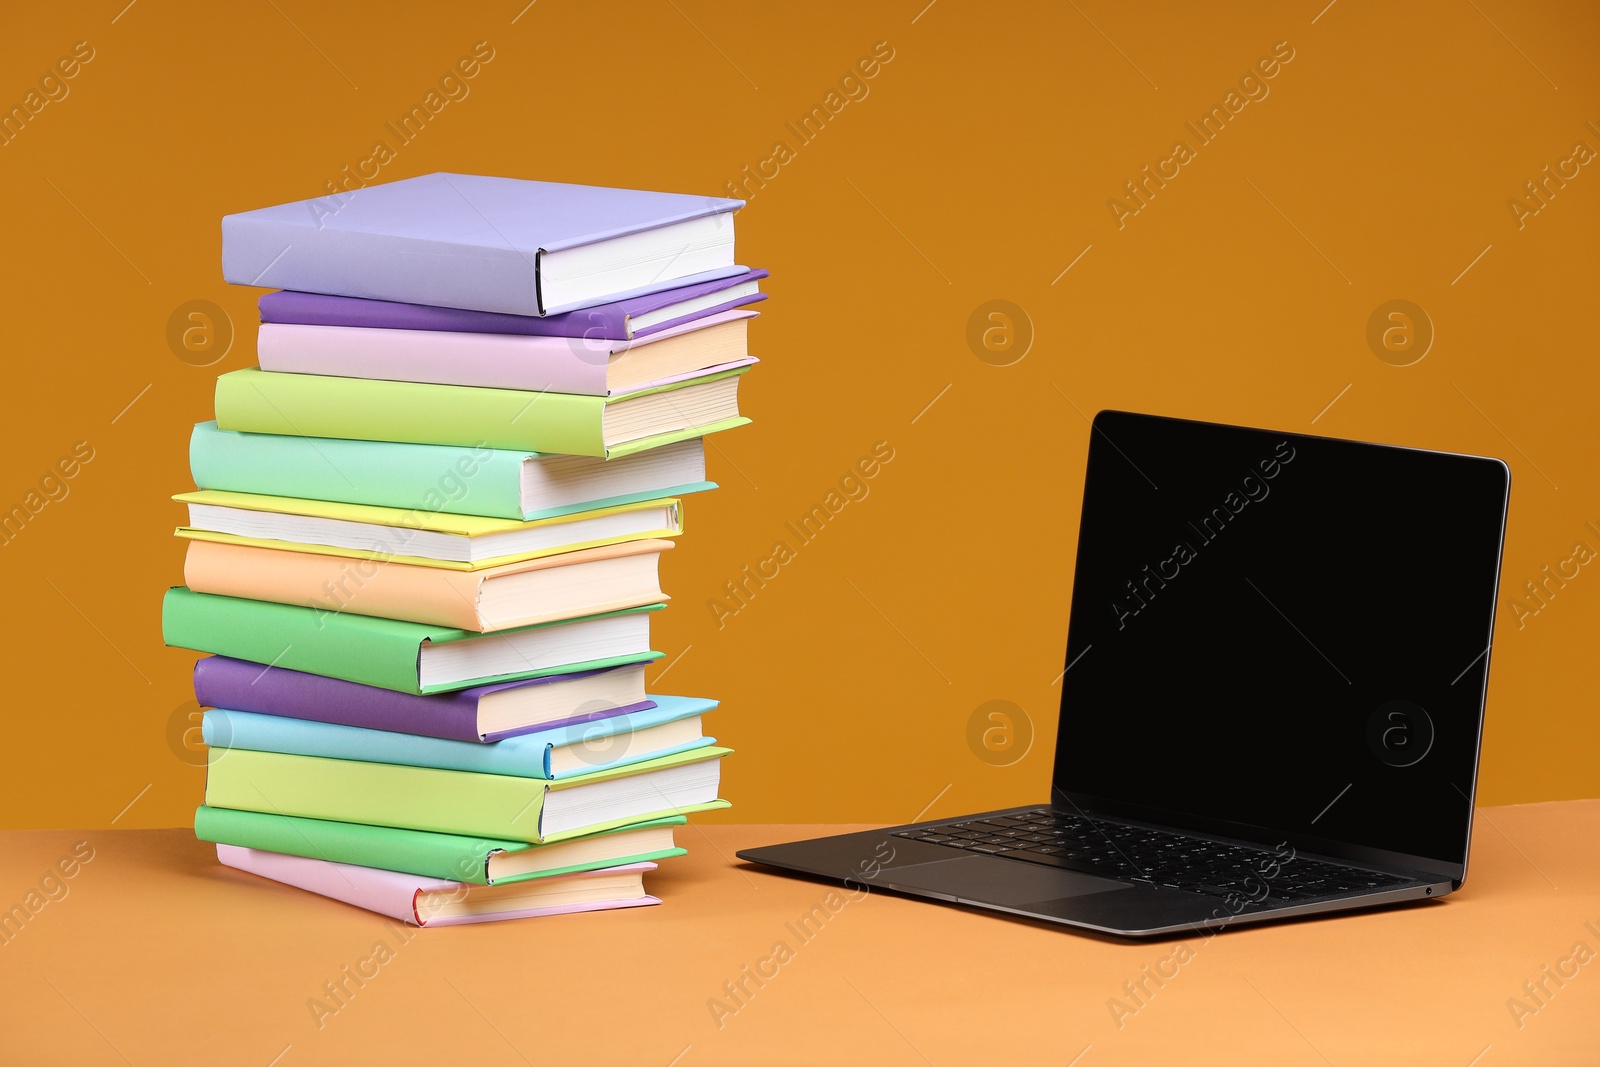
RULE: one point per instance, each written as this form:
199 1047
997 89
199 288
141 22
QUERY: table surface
151 953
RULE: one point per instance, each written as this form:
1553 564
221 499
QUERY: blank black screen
1281 631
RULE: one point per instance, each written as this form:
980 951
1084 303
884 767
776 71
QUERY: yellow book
426 539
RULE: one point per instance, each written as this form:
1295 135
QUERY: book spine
425 855
315 405
486 360
354 648
388 893
422 478
607 323
220 682
223 728
291 252
381 794
333 585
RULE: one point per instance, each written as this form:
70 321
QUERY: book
621 320
511 595
407 657
439 902
673 725
463 802
455 542
588 366
478 860
481 714
320 405
426 480
484 243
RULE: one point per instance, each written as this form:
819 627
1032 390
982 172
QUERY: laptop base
877 859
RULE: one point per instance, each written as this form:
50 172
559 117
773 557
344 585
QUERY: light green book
429 480
368 409
408 657
475 860
495 806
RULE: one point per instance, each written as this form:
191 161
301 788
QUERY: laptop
1271 699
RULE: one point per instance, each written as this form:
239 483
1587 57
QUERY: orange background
977 167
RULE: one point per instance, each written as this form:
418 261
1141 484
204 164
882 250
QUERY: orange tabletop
151 953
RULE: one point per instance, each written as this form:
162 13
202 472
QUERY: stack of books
423 549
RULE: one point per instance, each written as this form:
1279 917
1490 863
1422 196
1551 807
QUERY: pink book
437 902
588 366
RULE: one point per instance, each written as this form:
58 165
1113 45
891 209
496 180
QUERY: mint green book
475 860
406 657
494 806
440 479
369 409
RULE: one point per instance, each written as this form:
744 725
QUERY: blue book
484 244
673 725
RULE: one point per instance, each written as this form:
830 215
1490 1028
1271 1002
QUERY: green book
494 806
407 657
368 409
476 860
440 479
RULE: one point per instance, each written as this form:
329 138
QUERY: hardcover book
428 480
482 714
478 860
463 802
591 367
673 725
512 595
488 244
407 657
437 902
318 405
455 542
621 320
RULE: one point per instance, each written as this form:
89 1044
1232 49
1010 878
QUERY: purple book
621 320
483 714
484 243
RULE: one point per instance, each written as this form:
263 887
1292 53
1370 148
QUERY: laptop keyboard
1157 857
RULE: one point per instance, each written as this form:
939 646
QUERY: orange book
497 598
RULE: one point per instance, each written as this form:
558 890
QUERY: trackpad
996 881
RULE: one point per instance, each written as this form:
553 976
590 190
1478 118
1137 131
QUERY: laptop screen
1282 632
